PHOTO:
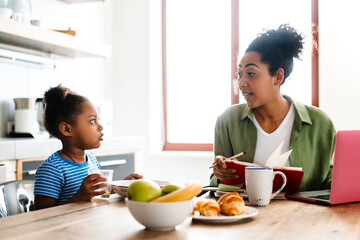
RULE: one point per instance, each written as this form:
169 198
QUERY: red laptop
345 183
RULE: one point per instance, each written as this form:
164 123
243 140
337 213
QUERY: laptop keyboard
324 197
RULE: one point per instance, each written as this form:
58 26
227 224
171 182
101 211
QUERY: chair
16 197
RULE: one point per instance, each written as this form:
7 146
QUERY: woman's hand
89 188
221 171
133 176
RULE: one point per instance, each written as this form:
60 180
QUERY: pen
238 155
231 158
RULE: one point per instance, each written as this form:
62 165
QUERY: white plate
249 212
123 183
126 183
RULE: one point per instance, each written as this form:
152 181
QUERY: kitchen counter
16 148
12 149
111 219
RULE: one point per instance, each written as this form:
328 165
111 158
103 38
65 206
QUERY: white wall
131 67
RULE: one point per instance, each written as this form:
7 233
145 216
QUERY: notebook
277 161
345 187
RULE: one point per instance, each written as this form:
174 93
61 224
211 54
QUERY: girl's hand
133 176
89 188
221 171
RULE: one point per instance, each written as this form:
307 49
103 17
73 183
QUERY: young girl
63 177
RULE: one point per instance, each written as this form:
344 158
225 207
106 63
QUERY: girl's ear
65 129
279 76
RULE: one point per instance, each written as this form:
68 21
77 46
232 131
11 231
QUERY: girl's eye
239 74
93 120
251 74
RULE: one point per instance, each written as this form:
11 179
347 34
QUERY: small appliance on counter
26 121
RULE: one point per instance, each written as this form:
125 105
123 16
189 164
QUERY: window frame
168 146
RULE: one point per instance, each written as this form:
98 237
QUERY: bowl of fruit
161 209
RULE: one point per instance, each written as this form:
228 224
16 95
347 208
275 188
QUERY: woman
269 117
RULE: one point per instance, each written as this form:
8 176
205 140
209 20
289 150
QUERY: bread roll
207 207
232 204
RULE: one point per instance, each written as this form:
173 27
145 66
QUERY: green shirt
312 140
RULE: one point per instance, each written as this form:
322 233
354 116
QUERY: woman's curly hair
278 48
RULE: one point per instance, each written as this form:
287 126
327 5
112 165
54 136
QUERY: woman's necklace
68 156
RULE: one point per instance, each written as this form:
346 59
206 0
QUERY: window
201 41
270 15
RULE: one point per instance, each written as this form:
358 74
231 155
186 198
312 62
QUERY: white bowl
160 216
5 12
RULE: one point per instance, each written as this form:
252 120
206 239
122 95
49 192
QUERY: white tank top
268 142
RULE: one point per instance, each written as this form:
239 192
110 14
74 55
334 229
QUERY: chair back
16 197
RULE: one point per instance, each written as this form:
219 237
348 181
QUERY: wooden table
110 219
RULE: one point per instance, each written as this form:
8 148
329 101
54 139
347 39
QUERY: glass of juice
109 175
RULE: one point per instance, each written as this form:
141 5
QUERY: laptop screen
345 185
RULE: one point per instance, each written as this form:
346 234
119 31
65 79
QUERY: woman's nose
241 81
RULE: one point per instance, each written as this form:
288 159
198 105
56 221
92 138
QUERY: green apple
169 188
144 190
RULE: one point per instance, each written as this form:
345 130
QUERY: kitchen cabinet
26 168
122 163
48 41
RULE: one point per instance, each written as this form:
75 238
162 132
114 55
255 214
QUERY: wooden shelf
36 38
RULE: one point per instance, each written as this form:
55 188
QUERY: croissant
207 207
232 204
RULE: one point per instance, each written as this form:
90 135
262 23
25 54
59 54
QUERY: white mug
259 184
17 16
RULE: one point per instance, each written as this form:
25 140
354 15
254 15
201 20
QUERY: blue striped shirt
61 178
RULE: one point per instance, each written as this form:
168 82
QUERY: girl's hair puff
61 105
278 48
